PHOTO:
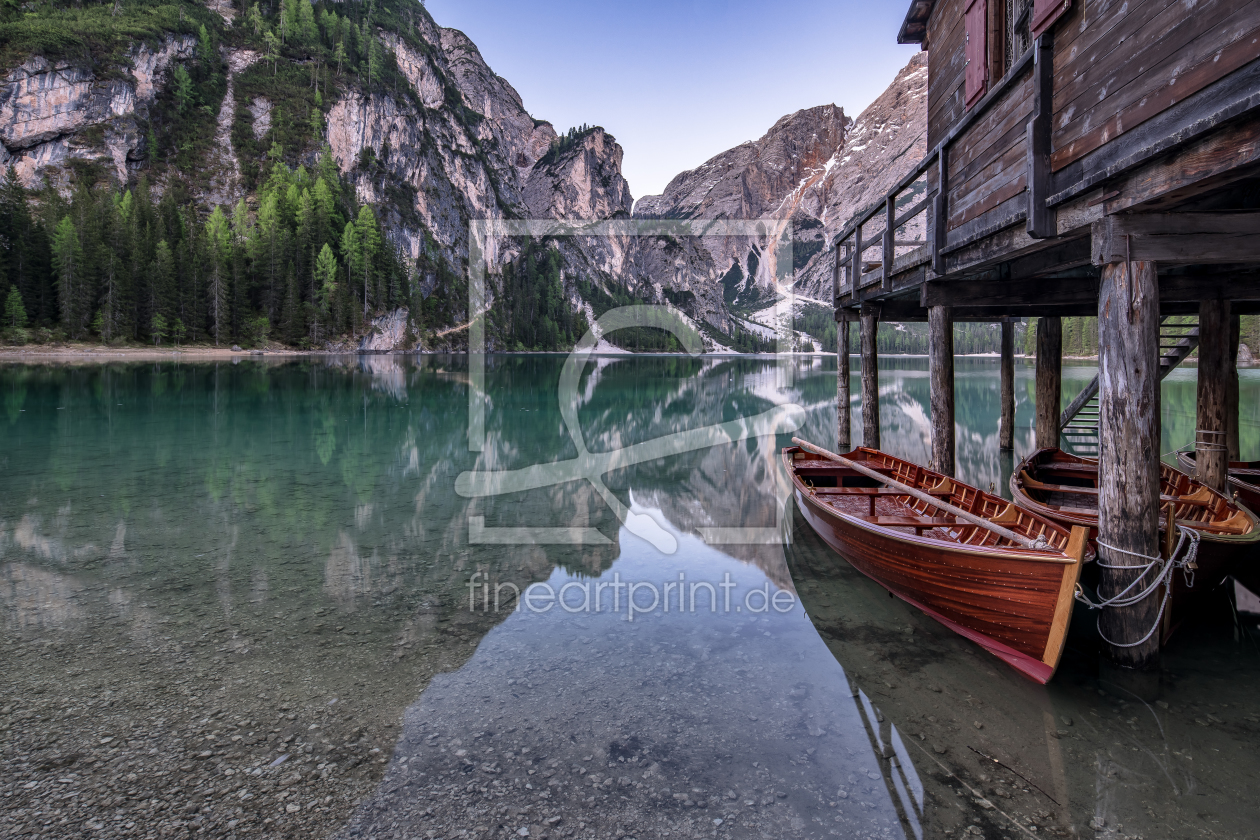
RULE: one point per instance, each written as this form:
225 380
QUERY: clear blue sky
678 82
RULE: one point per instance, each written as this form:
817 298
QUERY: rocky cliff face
51 112
453 142
812 170
765 179
882 145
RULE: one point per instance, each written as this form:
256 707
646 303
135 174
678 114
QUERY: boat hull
1014 604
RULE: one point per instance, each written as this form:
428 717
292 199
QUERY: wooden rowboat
1244 478
1012 600
1064 487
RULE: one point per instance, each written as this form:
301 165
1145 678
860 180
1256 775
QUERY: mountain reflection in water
281 546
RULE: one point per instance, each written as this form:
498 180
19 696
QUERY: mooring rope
1207 445
1163 575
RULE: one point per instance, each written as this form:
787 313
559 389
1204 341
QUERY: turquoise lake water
258 600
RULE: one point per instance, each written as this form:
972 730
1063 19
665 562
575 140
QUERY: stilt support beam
1006 427
1231 389
1128 471
941 376
870 378
1211 433
843 399
1049 380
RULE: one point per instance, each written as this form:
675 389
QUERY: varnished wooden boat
1014 601
1244 478
1064 487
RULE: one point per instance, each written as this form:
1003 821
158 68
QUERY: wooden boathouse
1086 157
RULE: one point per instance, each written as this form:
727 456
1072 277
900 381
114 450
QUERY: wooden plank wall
988 163
947 63
1120 62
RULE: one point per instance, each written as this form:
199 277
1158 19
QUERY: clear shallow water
206 570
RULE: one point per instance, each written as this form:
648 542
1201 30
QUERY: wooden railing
858 272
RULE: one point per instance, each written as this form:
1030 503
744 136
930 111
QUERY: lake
283 598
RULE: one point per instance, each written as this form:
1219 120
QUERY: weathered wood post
843 420
1211 449
1231 389
870 377
1128 468
1049 380
941 389
1006 427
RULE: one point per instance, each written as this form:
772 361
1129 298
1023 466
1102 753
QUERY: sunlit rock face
51 112
881 147
811 171
765 179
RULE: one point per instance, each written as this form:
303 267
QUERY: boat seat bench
1033 484
918 523
874 493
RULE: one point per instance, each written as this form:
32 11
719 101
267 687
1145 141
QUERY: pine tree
256 19
323 207
305 241
352 253
326 279
185 95
67 257
157 328
308 33
369 236
205 47
219 246
162 285
268 249
14 311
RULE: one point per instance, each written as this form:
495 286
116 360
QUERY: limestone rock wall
47 109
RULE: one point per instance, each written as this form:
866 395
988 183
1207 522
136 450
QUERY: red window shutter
977 51
1046 12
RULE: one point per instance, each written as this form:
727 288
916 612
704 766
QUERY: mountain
203 107
882 145
812 171
307 173
755 180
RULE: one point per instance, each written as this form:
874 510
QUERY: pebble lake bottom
235 602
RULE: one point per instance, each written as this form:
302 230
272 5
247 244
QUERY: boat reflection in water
1088 751
278 549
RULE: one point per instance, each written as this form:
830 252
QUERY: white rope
1163 576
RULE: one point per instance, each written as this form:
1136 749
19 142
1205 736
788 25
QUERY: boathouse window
998 33
1015 35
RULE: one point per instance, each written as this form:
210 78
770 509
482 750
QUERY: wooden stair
1079 422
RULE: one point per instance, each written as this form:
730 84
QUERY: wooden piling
1231 389
843 399
1006 426
941 391
1211 450
1128 472
870 377
1049 380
